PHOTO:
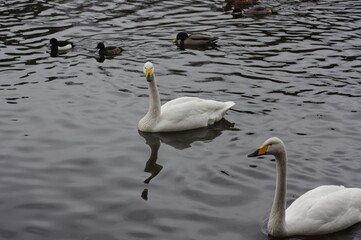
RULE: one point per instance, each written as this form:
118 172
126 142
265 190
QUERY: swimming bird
248 2
195 40
56 45
241 2
229 4
255 11
325 209
108 51
180 114
258 11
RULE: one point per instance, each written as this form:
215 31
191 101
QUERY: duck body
108 51
323 210
258 11
241 2
235 4
195 40
180 114
56 45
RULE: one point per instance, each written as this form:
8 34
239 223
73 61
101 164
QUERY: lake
74 166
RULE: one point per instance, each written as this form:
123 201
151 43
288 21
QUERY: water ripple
73 165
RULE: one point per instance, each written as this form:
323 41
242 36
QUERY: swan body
325 209
184 113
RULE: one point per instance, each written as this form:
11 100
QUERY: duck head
181 37
101 46
53 42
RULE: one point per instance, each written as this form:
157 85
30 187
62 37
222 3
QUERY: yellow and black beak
262 150
174 41
149 74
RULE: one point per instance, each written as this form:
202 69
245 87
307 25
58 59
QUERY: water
74 166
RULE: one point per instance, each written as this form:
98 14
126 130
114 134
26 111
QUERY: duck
229 4
180 114
195 40
56 45
108 51
257 11
241 2
322 210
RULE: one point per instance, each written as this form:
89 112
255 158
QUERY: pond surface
74 166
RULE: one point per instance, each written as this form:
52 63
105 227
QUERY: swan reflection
178 140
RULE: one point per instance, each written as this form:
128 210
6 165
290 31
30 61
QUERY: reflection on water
178 140
151 166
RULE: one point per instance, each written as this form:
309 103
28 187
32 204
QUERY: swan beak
262 150
149 75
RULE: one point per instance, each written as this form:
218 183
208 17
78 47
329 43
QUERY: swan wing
323 210
178 101
189 113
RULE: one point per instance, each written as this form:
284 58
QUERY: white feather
66 47
325 209
180 114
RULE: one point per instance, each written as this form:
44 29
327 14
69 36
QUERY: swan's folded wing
323 210
178 101
190 112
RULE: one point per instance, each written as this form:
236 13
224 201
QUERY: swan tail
228 105
220 114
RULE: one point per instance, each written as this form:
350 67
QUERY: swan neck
276 223
154 100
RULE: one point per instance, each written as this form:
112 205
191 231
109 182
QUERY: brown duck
108 51
258 11
195 40
242 2
230 4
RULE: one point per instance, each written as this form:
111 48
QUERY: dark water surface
73 165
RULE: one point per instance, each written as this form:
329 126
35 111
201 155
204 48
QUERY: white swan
325 209
180 114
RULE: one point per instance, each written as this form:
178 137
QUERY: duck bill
149 75
174 40
262 150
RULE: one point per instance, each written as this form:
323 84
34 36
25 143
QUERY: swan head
149 71
272 146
